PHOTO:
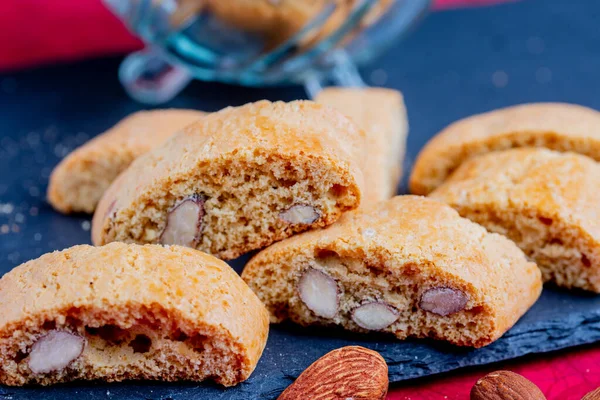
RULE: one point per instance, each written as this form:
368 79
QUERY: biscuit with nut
122 312
409 266
79 180
238 180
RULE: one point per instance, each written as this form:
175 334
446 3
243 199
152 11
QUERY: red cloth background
43 31
563 375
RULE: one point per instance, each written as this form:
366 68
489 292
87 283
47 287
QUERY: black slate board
456 64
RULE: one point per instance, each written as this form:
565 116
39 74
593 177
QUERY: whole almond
594 395
505 385
351 372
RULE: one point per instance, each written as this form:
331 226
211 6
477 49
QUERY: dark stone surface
457 63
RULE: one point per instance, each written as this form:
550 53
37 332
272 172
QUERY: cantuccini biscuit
78 181
556 126
121 312
409 266
238 180
381 114
545 201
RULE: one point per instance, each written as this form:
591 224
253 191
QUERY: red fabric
564 375
43 31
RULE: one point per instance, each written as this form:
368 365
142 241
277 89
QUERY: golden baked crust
393 252
557 126
202 319
250 164
381 114
543 200
79 180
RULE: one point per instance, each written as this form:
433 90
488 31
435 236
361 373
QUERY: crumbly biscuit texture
381 114
409 266
79 180
556 126
545 201
238 180
121 312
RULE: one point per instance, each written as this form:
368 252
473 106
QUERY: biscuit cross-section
545 201
125 311
409 266
264 171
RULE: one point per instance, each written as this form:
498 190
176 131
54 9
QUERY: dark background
455 64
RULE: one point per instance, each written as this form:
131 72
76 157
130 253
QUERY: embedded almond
55 351
375 316
184 223
351 372
319 292
443 301
300 214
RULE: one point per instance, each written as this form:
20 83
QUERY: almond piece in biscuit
79 180
543 200
556 126
409 266
264 171
125 311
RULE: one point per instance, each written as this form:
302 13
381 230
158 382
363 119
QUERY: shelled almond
350 372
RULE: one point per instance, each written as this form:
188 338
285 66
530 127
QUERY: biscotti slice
545 201
556 126
381 114
238 180
122 312
409 266
79 180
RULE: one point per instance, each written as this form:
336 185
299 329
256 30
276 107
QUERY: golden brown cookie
238 180
545 201
409 266
123 312
381 114
78 181
556 126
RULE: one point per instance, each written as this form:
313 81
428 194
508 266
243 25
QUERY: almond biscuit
556 126
79 180
238 180
545 201
381 114
122 312
409 266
